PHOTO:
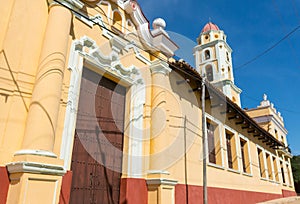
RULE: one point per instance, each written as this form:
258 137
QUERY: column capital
161 67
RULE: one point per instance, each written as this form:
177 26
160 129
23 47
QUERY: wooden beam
257 134
242 122
236 116
261 138
239 123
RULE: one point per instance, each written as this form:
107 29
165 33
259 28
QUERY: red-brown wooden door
98 142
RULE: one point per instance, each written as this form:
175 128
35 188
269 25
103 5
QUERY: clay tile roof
210 26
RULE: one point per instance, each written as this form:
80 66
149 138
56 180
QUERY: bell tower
213 58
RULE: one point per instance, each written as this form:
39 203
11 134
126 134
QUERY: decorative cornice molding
108 62
285 152
161 181
155 43
228 82
269 118
201 47
153 172
35 168
159 66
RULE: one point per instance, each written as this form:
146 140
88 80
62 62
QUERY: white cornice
159 66
35 168
153 43
161 181
227 81
201 47
36 152
269 118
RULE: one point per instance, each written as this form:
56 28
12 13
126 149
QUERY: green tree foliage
296 168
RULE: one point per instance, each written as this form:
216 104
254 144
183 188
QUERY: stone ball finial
159 23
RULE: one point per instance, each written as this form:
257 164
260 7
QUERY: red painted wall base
133 191
64 197
286 193
4 184
193 194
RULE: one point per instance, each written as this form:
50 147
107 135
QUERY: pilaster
43 112
36 172
159 114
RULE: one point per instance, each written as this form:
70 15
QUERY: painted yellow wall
21 45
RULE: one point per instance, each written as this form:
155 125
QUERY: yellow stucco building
93 109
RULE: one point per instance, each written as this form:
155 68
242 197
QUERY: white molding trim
97 20
161 67
129 23
153 43
138 54
87 50
35 152
35 168
210 53
268 118
161 181
152 172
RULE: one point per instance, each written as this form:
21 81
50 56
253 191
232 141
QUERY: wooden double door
98 143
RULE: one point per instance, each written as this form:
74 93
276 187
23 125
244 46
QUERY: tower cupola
213 58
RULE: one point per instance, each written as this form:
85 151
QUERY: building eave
238 112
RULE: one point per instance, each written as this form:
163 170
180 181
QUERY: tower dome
210 26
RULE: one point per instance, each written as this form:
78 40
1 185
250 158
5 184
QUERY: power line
281 20
269 49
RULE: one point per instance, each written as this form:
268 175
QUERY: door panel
98 142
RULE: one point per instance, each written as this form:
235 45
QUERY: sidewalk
289 200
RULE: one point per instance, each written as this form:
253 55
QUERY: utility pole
204 141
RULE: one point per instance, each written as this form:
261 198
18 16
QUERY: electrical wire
292 48
268 50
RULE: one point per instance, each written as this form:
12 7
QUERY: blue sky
251 27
